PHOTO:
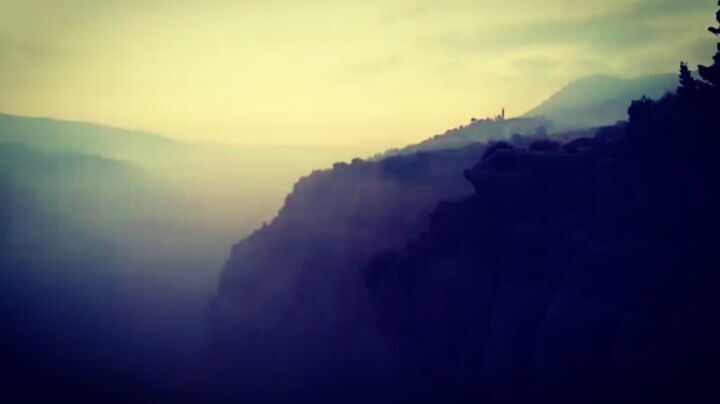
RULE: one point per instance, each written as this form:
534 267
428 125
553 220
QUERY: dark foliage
581 269
494 147
545 145
585 274
295 285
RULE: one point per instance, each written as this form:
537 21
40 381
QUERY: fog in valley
112 242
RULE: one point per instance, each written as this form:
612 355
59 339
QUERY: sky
325 72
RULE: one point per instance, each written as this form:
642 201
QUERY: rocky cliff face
578 270
292 303
564 275
579 274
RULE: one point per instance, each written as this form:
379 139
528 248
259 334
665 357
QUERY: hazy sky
328 72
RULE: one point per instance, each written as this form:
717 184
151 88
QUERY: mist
111 246
561 255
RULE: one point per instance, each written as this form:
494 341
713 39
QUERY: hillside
589 102
297 280
80 137
599 100
577 270
477 131
580 274
541 284
219 180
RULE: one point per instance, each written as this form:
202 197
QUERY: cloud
701 51
432 58
405 13
660 8
658 30
30 51
378 65
632 26
539 64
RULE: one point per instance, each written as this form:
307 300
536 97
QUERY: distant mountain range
585 103
105 233
599 100
80 137
221 179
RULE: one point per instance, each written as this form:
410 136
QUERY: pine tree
688 84
711 74
716 30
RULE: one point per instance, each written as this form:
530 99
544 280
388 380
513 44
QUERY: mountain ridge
599 100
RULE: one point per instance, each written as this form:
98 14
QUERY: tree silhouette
674 132
688 84
711 74
715 30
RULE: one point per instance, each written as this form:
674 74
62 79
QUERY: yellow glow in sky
324 72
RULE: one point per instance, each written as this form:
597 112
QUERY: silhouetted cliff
292 309
573 273
578 270
581 274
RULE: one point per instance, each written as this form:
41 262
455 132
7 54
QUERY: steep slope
581 274
569 276
291 288
575 272
599 100
291 295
